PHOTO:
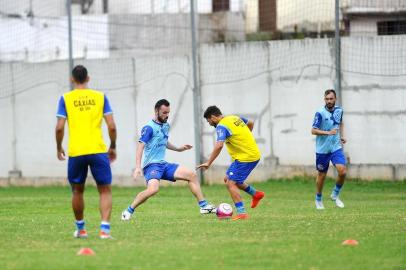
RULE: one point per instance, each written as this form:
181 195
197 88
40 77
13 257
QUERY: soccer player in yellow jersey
84 109
236 132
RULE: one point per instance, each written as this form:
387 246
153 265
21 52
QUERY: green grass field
284 232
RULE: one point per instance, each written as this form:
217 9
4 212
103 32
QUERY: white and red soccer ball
224 210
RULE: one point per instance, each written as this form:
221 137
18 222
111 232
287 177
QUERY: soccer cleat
104 235
125 215
240 216
336 199
80 234
256 198
319 205
208 209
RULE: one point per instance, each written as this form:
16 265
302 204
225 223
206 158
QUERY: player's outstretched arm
138 158
111 126
172 147
59 133
214 154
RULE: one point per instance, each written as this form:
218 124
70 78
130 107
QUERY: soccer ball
224 210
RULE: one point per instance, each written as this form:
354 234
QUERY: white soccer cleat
125 215
319 205
208 209
336 199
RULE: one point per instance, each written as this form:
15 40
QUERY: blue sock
203 203
130 209
337 189
250 190
240 207
80 224
105 226
318 197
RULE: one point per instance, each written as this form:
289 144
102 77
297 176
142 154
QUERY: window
85 5
221 5
392 28
267 15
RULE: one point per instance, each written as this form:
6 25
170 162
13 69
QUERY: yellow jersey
84 110
239 139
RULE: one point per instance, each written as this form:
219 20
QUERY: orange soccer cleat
240 216
256 198
104 235
80 234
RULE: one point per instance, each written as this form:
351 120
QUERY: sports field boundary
363 172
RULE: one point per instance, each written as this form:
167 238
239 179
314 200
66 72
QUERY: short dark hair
161 102
212 110
329 91
79 74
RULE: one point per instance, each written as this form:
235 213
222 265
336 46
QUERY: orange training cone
350 242
86 252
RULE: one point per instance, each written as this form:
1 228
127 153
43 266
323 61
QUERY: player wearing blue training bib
153 144
328 128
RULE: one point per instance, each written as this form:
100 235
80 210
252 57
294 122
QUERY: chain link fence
270 60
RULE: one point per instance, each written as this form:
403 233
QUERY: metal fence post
69 12
338 52
196 89
15 172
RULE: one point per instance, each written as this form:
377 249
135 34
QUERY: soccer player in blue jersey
84 110
153 144
328 128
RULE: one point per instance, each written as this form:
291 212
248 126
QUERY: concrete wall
39 7
123 35
235 78
374 98
159 34
375 5
363 26
132 95
252 16
58 7
46 39
278 84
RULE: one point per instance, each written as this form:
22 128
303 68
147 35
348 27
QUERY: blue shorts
323 160
239 171
165 171
99 166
